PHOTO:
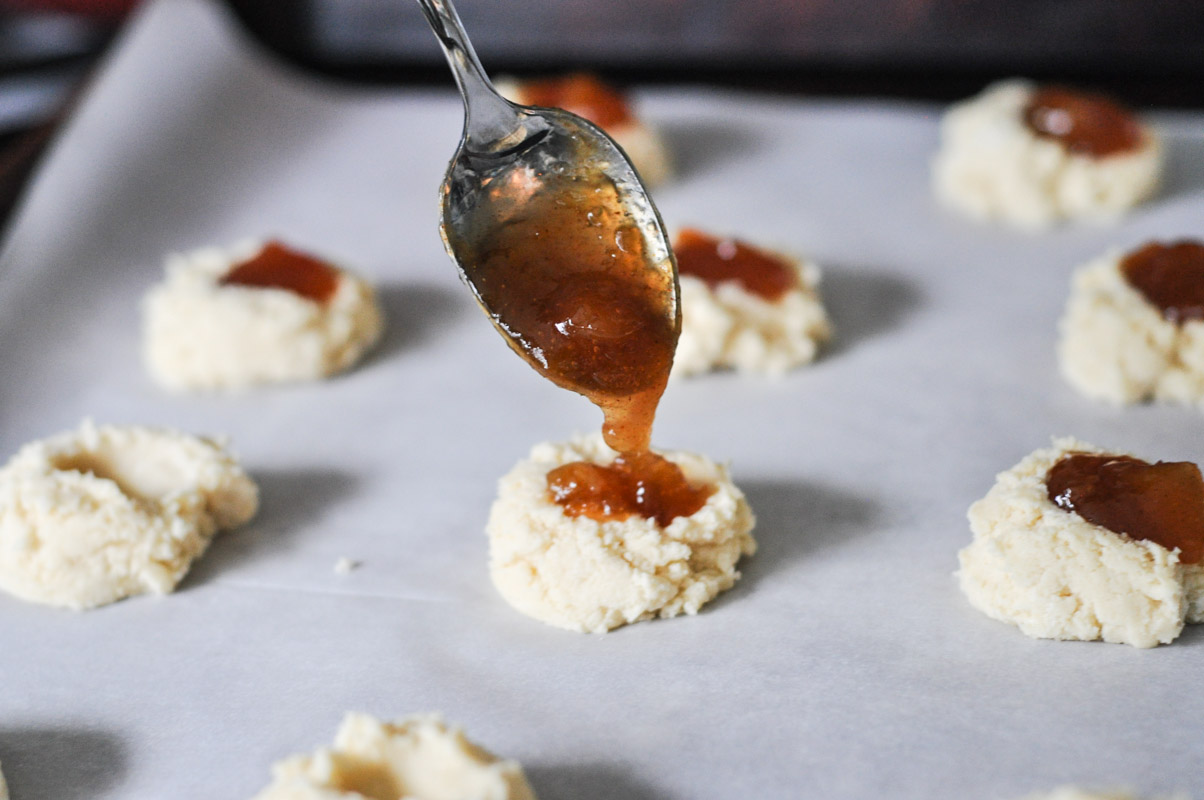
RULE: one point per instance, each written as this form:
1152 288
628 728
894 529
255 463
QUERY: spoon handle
491 122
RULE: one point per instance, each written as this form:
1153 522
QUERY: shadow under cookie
415 314
290 502
591 781
1184 175
864 304
76 763
697 146
797 521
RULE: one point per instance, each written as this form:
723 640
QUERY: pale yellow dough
990 166
97 514
200 335
642 143
588 576
416 758
729 327
1056 576
647 151
1116 346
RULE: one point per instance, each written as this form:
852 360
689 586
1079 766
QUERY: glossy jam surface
717 261
1161 503
279 267
568 282
565 271
1087 124
580 94
1170 276
645 485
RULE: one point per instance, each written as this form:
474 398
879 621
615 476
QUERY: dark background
1146 52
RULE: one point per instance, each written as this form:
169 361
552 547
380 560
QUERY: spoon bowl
567 160
516 162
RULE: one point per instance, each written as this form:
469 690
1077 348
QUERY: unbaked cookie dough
90 516
991 166
590 576
1055 575
725 325
1117 346
202 333
417 758
588 97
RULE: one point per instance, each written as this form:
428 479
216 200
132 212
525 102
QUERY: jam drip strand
570 284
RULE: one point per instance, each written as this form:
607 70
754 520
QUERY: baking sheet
846 664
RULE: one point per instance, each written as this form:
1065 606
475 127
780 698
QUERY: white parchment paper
845 664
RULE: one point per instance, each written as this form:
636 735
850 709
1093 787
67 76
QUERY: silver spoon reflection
551 228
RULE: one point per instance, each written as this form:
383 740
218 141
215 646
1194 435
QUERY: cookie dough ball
1055 575
588 97
744 308
255 314
1117 345
417 758
94 515
1008 157
584 575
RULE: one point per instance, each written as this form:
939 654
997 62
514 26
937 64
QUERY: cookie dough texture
199 335
101 513
646 150
1056 576
583 575
1116 346
643 144
990 166
417 758
730 327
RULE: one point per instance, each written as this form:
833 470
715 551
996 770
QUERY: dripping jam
569 282
1161 503
1170 276
279 267
716 261
1086 124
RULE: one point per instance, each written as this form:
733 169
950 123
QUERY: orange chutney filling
1161 503
717 261
581 94
279 267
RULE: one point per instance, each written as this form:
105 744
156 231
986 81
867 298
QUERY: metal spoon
509 157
